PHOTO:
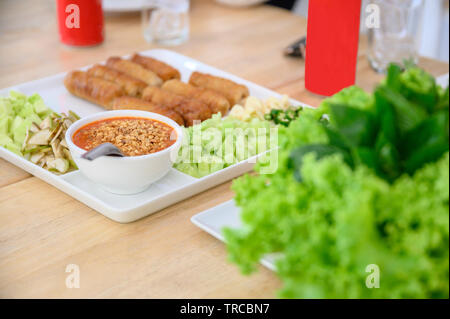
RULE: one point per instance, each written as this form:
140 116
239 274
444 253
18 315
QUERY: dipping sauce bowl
129 174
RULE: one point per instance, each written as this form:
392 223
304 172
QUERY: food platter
174 187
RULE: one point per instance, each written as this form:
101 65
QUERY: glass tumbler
165 22
396 37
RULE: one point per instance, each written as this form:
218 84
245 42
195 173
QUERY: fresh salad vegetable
283 117
404 126
218 143
362 182
17 112
32 130
254 107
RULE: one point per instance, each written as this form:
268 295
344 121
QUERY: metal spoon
105 149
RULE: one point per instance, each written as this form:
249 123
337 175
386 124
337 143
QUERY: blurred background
239 36
433 28
433 22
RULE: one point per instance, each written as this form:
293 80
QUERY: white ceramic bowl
125 175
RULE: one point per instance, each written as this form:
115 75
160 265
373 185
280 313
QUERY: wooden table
42 230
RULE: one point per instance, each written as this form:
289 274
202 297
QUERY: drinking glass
166 22
396 37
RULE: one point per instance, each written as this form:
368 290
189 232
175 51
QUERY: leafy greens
366 185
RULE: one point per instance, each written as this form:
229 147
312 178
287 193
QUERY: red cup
80 22
331 45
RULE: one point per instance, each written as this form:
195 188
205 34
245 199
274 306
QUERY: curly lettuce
330 218
335 223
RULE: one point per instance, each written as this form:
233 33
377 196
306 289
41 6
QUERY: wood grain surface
42 229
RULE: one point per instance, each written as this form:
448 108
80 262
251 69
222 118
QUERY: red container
80 22
331 45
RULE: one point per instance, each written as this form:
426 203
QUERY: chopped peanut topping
133 136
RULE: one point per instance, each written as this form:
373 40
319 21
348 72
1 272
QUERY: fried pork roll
93 89
163 70
234 92
133 103
135 70
130 85
215 101
190 109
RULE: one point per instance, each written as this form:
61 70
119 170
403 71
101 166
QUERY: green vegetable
369 186
352 96
283 117
390 132
17 112
338 221
219 143
30 129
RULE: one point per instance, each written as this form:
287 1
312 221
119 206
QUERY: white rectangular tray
174 187
226 214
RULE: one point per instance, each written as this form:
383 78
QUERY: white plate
215 219
175 187
442 80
